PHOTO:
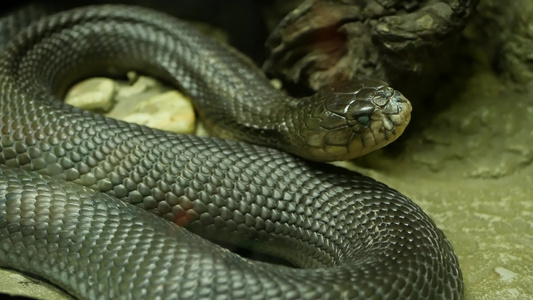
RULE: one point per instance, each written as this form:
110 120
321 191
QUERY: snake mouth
396 115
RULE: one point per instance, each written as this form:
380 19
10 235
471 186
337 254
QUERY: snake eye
361 112
363 119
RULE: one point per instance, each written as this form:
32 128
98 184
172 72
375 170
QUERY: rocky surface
406 43
467 159
144 101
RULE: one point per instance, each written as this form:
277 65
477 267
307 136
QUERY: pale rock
138 85
169 111
92 94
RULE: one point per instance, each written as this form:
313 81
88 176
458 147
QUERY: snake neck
298 125
254 120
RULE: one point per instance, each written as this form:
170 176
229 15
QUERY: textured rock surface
406 43
516 54
92 94
467 159
169 111
144 102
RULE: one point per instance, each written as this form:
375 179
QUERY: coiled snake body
68 176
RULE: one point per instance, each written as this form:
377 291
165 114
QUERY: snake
105 209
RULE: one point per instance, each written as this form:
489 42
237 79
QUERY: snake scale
85 201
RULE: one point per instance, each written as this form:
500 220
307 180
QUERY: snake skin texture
100 207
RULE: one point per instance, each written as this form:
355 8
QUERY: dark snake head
355 118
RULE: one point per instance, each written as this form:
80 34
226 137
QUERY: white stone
169 111
92 94
139 84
